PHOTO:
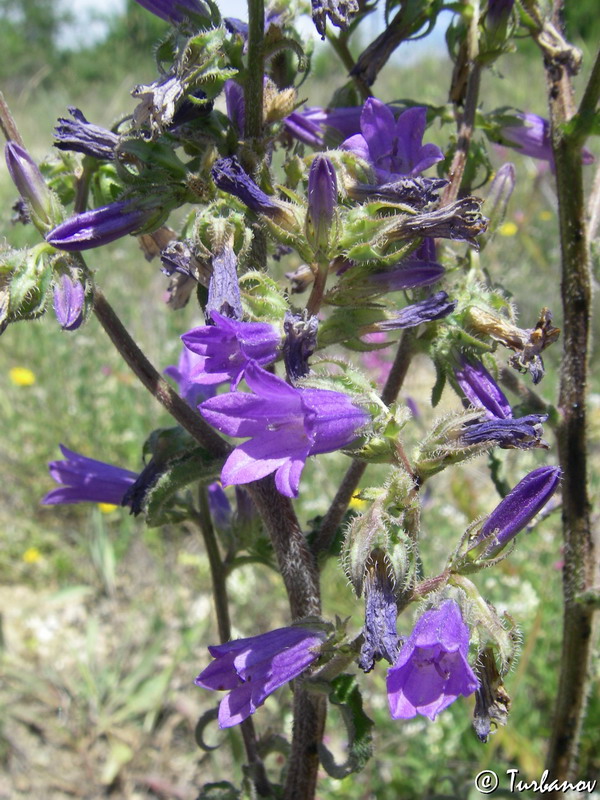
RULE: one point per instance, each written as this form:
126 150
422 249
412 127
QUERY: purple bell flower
174 11
99 227
69 299
481 390
87 480
28 179
190 390
393 147
519 507
432 670
80 136
533 138
310 125
251 669
228 347
286 425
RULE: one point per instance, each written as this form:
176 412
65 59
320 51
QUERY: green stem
253 92
581 567
465 135
340 45
219 587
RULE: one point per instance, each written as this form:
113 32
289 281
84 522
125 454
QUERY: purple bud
174 11
229 176
69 298
236 108
29 181
435 307
519 507
220 507
322 201
498 12
481 390
99 227
82 136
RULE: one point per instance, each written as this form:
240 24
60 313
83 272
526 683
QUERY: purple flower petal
87 480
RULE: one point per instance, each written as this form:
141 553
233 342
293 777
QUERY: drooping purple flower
87 480
322 201
69 298
532 138
80 136
229 175
432 670
191 391
310 124
381 639
251 669
174 11
481 390
236 108
228 347
28 179
286 425
435 307
522 433
99 227
519 507
393 147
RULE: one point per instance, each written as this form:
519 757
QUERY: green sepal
438 386
262 297
222 790
344 325
30 283
346 696
157 158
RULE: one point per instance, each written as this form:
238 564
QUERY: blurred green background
104 622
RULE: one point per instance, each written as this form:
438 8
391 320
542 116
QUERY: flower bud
322 201
518 508
481 390
69 301
174 11
30 183
100 226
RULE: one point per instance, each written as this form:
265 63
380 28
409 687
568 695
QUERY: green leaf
346 695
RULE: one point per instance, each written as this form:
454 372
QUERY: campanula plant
381 211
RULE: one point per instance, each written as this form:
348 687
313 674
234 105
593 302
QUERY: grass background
105 623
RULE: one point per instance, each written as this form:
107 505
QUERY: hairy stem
253 91
221 599
581 573
301 578
465 134
355 471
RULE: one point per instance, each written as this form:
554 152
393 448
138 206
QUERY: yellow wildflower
21 376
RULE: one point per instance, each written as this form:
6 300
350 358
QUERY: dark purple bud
82 136
236 108
189 110
229 176
461 221
99 227
519 507
481 390
175 11
339 12
235 25
29 181
381 639
69 298
299 344
498 12
223 289
522 433
405 276
416 192
220 507
435 307
322 202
